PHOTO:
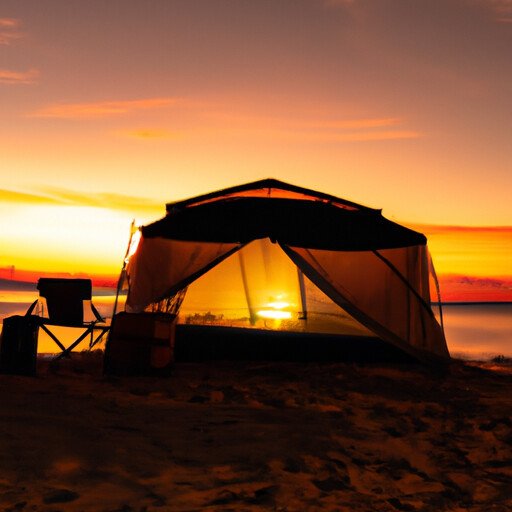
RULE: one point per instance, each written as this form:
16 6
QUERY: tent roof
284 213
269 188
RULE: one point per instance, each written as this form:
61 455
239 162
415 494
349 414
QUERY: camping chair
65 304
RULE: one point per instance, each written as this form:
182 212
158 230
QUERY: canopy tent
371 270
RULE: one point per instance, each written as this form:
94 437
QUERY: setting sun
274 314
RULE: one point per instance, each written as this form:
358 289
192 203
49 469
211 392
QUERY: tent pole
252 313
302 291
123 268
438 290
404 280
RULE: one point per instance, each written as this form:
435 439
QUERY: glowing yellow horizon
62 231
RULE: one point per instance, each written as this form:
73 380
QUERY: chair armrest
99 318
31 308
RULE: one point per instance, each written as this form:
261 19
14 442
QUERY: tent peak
271 188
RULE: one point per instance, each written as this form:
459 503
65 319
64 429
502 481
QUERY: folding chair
65 304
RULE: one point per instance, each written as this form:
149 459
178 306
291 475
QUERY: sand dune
257 436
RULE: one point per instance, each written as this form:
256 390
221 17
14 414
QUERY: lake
473 331
478 331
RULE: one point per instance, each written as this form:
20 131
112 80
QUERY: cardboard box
140 344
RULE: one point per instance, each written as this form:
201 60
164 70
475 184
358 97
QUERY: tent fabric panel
375 295
360 282
271 285
411 266
161 267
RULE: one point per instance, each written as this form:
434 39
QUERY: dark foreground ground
257 436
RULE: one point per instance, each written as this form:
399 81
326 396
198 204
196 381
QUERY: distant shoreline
15 285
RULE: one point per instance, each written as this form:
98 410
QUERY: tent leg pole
123 268
252 313
302 291
438 290
118 291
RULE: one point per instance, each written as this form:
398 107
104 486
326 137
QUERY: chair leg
66 352
88 331
53 337
92 343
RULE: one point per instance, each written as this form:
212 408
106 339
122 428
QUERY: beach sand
257 436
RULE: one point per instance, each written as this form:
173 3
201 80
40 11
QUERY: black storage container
18 345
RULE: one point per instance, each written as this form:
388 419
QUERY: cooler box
18 345
140 344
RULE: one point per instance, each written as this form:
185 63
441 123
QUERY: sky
110 109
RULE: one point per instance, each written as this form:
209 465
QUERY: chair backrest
65 299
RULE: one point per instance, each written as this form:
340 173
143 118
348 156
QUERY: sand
257 436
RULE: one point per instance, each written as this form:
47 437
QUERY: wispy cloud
502 8
482 252
6 38
438 229
336 3
234 126
483 282
348 136
313 129
102 109
466 288
150 134
9 30
350 130
8 33
9 22
55 196
363 136
383 135
472 262
103 200
17 197
343 131
10 77
203 119
345 124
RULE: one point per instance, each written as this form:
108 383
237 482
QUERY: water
478 331
473 331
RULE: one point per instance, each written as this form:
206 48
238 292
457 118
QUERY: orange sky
110 109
